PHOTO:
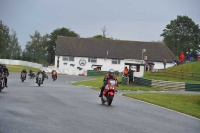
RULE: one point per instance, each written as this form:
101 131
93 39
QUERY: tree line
181 35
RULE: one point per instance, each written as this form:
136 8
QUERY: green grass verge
98 82
188 104
18 68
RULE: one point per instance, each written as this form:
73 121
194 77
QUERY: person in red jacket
126 71
182 57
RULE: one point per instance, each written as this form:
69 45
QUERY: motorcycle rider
1 65
40 72
23 71
45 74
108 76
5 71
30 72
52 73
1 70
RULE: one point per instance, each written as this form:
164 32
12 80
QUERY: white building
75 56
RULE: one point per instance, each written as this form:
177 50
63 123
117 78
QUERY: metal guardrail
167 84
176 74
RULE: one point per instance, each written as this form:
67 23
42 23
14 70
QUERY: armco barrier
192 87
19 62
99 73
167 84
142 81
125 80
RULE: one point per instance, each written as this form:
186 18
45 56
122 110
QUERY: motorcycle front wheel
110 99
102 101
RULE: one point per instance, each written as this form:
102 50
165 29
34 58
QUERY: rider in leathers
23 71
5 71
108 76
41 71
1 70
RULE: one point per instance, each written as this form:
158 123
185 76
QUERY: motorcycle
45 76
109 92
40 79
31 75
23 77
2 82
54 75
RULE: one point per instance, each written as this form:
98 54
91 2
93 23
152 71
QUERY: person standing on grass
188 58
130 75
182 57
126 71
164 63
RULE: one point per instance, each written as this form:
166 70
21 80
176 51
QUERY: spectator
126 71
188 58
130 75
164 63
174 62
182 57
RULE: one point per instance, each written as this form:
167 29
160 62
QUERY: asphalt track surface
59 107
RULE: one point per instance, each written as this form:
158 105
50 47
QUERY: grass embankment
188 104
193 67
18 68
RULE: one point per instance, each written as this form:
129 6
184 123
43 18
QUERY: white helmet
111 72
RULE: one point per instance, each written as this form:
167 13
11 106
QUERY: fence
125 80
99 73
176 74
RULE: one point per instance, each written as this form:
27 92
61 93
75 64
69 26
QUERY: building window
68 58
93 60
115 61
71 58
65 58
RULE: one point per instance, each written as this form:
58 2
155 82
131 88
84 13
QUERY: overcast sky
136 20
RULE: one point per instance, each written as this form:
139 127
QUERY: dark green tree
103 36
14 49
4 40
36 49
52 40
182 34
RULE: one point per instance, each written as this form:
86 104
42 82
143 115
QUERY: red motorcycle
54 76
109 92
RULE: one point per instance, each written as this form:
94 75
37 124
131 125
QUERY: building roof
112 49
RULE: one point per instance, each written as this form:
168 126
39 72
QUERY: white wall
159 65
19 62
106 65
67 69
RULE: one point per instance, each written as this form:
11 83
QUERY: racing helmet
111 72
